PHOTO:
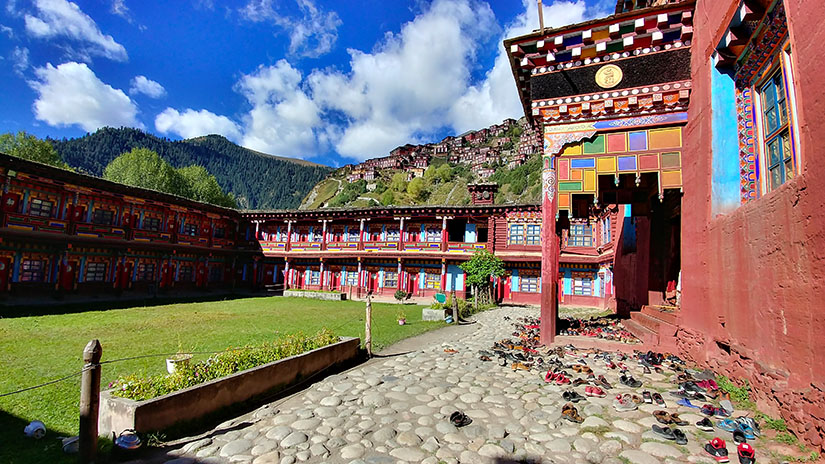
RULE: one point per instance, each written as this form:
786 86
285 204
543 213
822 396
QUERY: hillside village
488 154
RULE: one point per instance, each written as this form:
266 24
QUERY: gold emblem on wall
608 76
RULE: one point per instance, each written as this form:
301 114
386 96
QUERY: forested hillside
257 180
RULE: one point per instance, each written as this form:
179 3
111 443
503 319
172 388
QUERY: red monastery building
699 121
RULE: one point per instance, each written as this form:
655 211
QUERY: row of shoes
602 327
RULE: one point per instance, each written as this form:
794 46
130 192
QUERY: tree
479 269
417 188
399 182
202 186
27 146
445 173
431 173
144 168
387 198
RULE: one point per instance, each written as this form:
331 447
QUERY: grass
327 189
37 349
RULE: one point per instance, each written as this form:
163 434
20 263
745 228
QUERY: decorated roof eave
536 35
383 211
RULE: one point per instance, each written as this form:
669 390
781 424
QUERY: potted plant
180 358
402 317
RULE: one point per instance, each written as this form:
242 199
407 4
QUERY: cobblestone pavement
396 409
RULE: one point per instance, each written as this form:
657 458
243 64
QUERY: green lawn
37 349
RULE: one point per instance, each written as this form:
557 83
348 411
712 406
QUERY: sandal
680 437
717 449
459 419
647 397
657 398
705 425
570 413
678 420
604 383
662 416
746 453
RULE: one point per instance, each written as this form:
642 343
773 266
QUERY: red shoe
717 449
747 455
594 391
551 376
562 379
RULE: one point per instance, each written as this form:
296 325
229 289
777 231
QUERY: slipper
746 453
658 399
680 437
459 419
604 383
647 397
705 424
686 403
718 450
727 425
678 420
578 382
665 432
570 413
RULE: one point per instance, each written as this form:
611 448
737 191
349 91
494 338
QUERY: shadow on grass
47 307
17 448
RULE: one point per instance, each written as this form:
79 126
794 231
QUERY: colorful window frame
190 229
529 284
185 273
516 234
95 272
351 278
390 279
582 286
315 277
581 235
32 270
151 224
216 273
40 208
532 234
103 217
145 272
432 281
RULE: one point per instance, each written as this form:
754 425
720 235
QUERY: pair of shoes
624 403
630 381
742 430
705 425
560 378
718 450
602 382
594 391
671 434
666 418
570 395
569 412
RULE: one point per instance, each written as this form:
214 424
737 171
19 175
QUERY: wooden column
401 236
89 401
549 252
288 235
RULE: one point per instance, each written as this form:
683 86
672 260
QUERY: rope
51 382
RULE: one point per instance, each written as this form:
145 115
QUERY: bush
219 365
400 295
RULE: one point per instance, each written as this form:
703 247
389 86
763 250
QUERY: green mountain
257 180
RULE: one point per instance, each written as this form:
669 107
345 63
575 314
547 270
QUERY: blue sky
332 82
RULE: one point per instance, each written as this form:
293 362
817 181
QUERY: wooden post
454 301
90 401
368 328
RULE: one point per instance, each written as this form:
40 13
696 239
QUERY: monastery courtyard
397 408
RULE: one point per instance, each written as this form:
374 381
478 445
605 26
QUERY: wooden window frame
41 209
29 272
95 272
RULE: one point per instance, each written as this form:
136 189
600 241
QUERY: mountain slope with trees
255 179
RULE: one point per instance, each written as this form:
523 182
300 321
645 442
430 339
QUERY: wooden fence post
368 328
90 401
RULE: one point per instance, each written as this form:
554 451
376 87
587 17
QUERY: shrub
219 365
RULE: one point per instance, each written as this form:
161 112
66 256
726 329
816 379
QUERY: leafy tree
144 168
431 173
417 188
387 198
380 187
479 269
27 146
445 173
202 186
399 182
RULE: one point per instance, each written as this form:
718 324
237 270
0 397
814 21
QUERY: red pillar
549 252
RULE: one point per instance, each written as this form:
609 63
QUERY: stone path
396 409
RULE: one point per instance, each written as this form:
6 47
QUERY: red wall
753 300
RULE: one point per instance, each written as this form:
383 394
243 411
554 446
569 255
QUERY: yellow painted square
671 178
572 150
589 181
606 164
665 138
575 174
564 200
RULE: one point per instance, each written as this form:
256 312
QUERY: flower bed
218 365
192 403
315 294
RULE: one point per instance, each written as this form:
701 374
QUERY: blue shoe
746 430
727 425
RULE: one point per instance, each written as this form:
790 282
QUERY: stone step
647 336
660 327
666 314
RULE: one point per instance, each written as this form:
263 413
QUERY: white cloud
20 59
312 34
495 98
283 119
402 91
71 94
192 123
64 19
7 30
119 8
146 86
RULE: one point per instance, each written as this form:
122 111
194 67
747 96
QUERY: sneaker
705 424
717 449
746 453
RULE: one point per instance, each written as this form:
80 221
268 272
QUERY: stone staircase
655 326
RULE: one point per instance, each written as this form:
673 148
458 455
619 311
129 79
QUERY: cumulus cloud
192 123
402 91
146 86
64 19
20 60
495 98
71 94
312 34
